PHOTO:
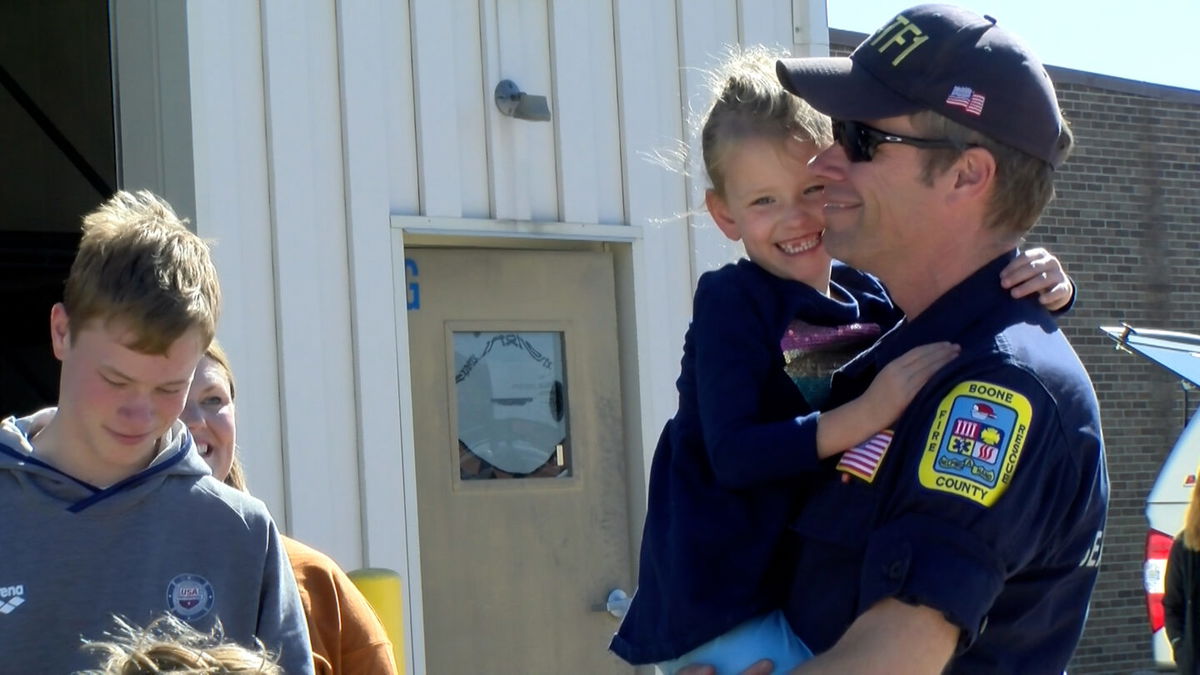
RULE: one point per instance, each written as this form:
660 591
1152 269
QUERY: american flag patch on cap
863 460
966 98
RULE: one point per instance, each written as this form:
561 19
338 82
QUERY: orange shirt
347 637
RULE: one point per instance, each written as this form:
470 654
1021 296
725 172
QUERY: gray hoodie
169 539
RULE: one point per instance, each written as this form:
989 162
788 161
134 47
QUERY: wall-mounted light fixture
517 104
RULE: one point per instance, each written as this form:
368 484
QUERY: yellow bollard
384 591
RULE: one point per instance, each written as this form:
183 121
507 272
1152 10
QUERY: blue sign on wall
414 287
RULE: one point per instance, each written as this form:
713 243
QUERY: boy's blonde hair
168 645
139 264
749 102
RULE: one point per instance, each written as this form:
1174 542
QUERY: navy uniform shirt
988 503
722 482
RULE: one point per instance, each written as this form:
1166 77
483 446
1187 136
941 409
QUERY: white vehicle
1168 499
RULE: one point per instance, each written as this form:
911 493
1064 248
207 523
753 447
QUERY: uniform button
895 571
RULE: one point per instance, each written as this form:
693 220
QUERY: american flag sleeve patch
863 460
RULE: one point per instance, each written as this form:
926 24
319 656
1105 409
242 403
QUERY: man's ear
60 330
720 215
974 173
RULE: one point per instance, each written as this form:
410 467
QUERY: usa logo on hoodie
190 597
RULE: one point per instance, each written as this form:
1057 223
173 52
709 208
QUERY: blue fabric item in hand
763 637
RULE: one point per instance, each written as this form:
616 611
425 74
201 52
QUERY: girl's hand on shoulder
899 381
1036 270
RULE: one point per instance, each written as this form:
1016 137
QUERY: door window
512 408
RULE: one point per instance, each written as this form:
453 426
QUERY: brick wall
1126 223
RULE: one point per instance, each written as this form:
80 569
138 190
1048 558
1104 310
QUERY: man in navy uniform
972 543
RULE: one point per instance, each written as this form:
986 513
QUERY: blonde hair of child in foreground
169 645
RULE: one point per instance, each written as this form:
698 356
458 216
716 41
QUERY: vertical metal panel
810 28
433 93
585 112
516 46
707 29
154 116
309 217
766 23
401 108
233 208
471 109
450 108
649 105
389 522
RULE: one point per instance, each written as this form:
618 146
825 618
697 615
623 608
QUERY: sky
1149 40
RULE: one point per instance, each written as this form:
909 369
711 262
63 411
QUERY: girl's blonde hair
1191 522
168 645
749 102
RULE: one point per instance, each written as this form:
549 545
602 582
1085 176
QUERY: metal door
519 457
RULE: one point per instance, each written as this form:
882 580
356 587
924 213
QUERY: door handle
617 603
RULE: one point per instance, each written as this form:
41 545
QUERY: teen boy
107 507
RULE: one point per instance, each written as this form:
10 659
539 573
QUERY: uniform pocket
827 542
838 513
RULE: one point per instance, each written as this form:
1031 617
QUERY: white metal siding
649 105
516 46
313 122
233 207
400 109
305 157
477 163
389 512
588 132
450 135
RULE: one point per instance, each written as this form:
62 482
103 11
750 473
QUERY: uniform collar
948 318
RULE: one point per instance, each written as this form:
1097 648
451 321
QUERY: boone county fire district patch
975 441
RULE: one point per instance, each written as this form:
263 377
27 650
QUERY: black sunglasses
860 140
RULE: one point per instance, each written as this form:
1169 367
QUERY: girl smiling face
773 203
209 415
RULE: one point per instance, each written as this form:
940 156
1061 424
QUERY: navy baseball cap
946 59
